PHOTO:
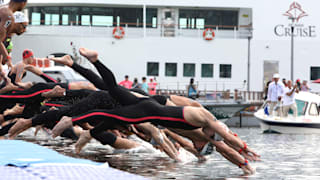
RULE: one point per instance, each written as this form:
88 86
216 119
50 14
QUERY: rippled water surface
283 157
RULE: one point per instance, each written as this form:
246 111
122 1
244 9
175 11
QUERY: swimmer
7 19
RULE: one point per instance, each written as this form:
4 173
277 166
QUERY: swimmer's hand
253 155
248 170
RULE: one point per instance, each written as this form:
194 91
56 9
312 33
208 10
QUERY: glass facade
200 19
189 70
95 16
171 69
314 73
225 70
152 69
206 70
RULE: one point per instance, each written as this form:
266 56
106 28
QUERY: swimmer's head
28 56
21 23
18 4
208 132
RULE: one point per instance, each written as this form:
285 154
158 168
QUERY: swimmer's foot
63 124
57 91
20 126
84 138
91 55
65 60
17 109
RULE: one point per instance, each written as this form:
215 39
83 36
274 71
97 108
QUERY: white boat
307 121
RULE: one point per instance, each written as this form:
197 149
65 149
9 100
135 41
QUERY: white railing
132 32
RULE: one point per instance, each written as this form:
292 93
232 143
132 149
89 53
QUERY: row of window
189 70
133 17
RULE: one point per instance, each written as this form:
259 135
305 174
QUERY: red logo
295 12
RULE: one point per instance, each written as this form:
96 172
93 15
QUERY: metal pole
249 56
292 48
144 20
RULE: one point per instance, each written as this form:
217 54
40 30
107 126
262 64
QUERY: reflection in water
283 157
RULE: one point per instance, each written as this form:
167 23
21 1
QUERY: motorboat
306 122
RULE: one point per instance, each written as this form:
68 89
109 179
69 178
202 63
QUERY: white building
164 39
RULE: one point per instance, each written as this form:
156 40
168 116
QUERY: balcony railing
234 32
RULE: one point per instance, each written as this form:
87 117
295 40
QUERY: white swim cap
19 17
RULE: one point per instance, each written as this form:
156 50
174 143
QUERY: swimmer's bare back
6 21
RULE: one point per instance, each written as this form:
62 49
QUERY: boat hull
268 126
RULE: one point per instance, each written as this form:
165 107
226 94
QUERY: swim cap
19 0
19 17
27 53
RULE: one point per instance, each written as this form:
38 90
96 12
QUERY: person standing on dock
6 21
275 94
152 87
289 100
126 82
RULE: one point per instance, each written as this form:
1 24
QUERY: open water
283 156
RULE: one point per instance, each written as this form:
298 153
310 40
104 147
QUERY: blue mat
21 153
34 162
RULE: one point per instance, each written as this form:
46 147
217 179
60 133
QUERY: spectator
136 84
152 87
126 83
266 90
144 85
275 93
192 90
304 86
284 82
298 84
289 100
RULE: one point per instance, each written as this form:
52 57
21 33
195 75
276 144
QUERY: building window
85 20
206 70
171 69
102 20
225 70
314 73
35 18
96 16
152 69
199 19
65 19
189 70
51 19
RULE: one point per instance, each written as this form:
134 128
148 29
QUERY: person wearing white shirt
289 100
275 93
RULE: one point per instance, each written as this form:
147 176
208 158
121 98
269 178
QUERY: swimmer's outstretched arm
233 156
159 138
185 144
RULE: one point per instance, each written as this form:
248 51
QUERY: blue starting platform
24 160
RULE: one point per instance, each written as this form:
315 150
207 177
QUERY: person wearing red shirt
152 87
126 83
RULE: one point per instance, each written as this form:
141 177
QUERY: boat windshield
301 106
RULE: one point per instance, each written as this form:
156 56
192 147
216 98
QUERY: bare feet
91 55
84 138
66 60
64 123
20 126
57 91
17 109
